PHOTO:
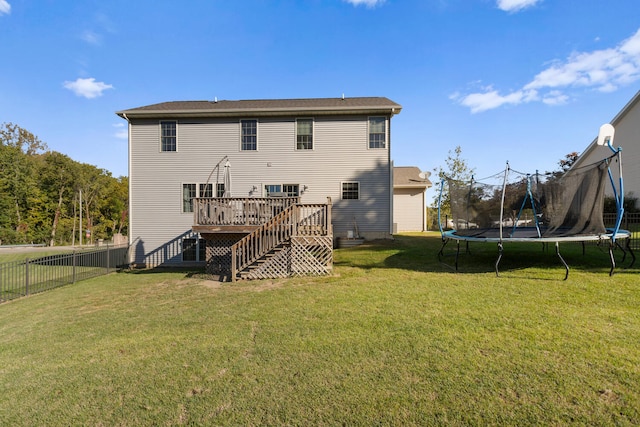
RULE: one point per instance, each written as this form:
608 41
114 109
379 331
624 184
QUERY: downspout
391 198
124 115
390 162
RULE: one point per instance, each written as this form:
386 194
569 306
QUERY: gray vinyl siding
409 209
340 153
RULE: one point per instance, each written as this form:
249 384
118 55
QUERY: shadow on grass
419 252
188 271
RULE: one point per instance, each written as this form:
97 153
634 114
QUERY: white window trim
160 150
281 186
342 189
199 241
386 133
313 135
197 184
257 135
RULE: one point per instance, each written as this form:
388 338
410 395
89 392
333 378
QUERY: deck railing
229 211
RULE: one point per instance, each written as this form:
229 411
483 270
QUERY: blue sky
524 81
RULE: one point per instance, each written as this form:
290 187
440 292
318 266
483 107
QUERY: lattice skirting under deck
311 255
218 254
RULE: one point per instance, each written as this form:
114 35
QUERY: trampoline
549 208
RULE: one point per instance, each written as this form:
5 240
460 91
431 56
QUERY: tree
568 161
456 169
39 193
12 135
58 176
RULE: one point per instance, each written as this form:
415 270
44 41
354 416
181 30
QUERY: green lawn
391 338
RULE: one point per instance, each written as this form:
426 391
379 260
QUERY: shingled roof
264 107
409 176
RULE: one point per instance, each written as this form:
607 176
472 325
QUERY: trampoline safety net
512 204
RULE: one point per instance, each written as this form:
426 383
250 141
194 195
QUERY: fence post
26 277
73 276
107 258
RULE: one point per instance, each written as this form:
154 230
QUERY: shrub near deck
391 338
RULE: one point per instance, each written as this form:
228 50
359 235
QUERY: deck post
233 263
328 218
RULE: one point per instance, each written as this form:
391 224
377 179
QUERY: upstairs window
249 135
168 136
304 134
377 132
351 190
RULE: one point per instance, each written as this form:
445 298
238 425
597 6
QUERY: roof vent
343 96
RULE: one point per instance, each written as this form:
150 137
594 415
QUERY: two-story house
306 150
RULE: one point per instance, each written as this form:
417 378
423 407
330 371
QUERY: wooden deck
260 238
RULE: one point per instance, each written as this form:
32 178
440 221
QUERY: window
189 191
193 250
220 190
270 189
206 190
351 190
304 134
282 190
377 132
168 136
291 190
249 135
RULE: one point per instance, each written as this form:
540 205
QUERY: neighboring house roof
265 107
630 105
409 177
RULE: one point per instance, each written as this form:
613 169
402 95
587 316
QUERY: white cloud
91 37
122 131
368 3
89 88
603 70
5 7
516 5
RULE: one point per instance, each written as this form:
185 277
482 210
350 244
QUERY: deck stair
297 241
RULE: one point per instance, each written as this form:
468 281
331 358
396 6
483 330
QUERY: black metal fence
630 222
38 274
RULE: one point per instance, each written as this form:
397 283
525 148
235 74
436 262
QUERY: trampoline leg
566 267
613 260
444 243
633 256
499 258
457 254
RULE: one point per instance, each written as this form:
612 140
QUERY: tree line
43 194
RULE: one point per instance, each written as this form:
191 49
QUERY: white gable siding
627 136
340 153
